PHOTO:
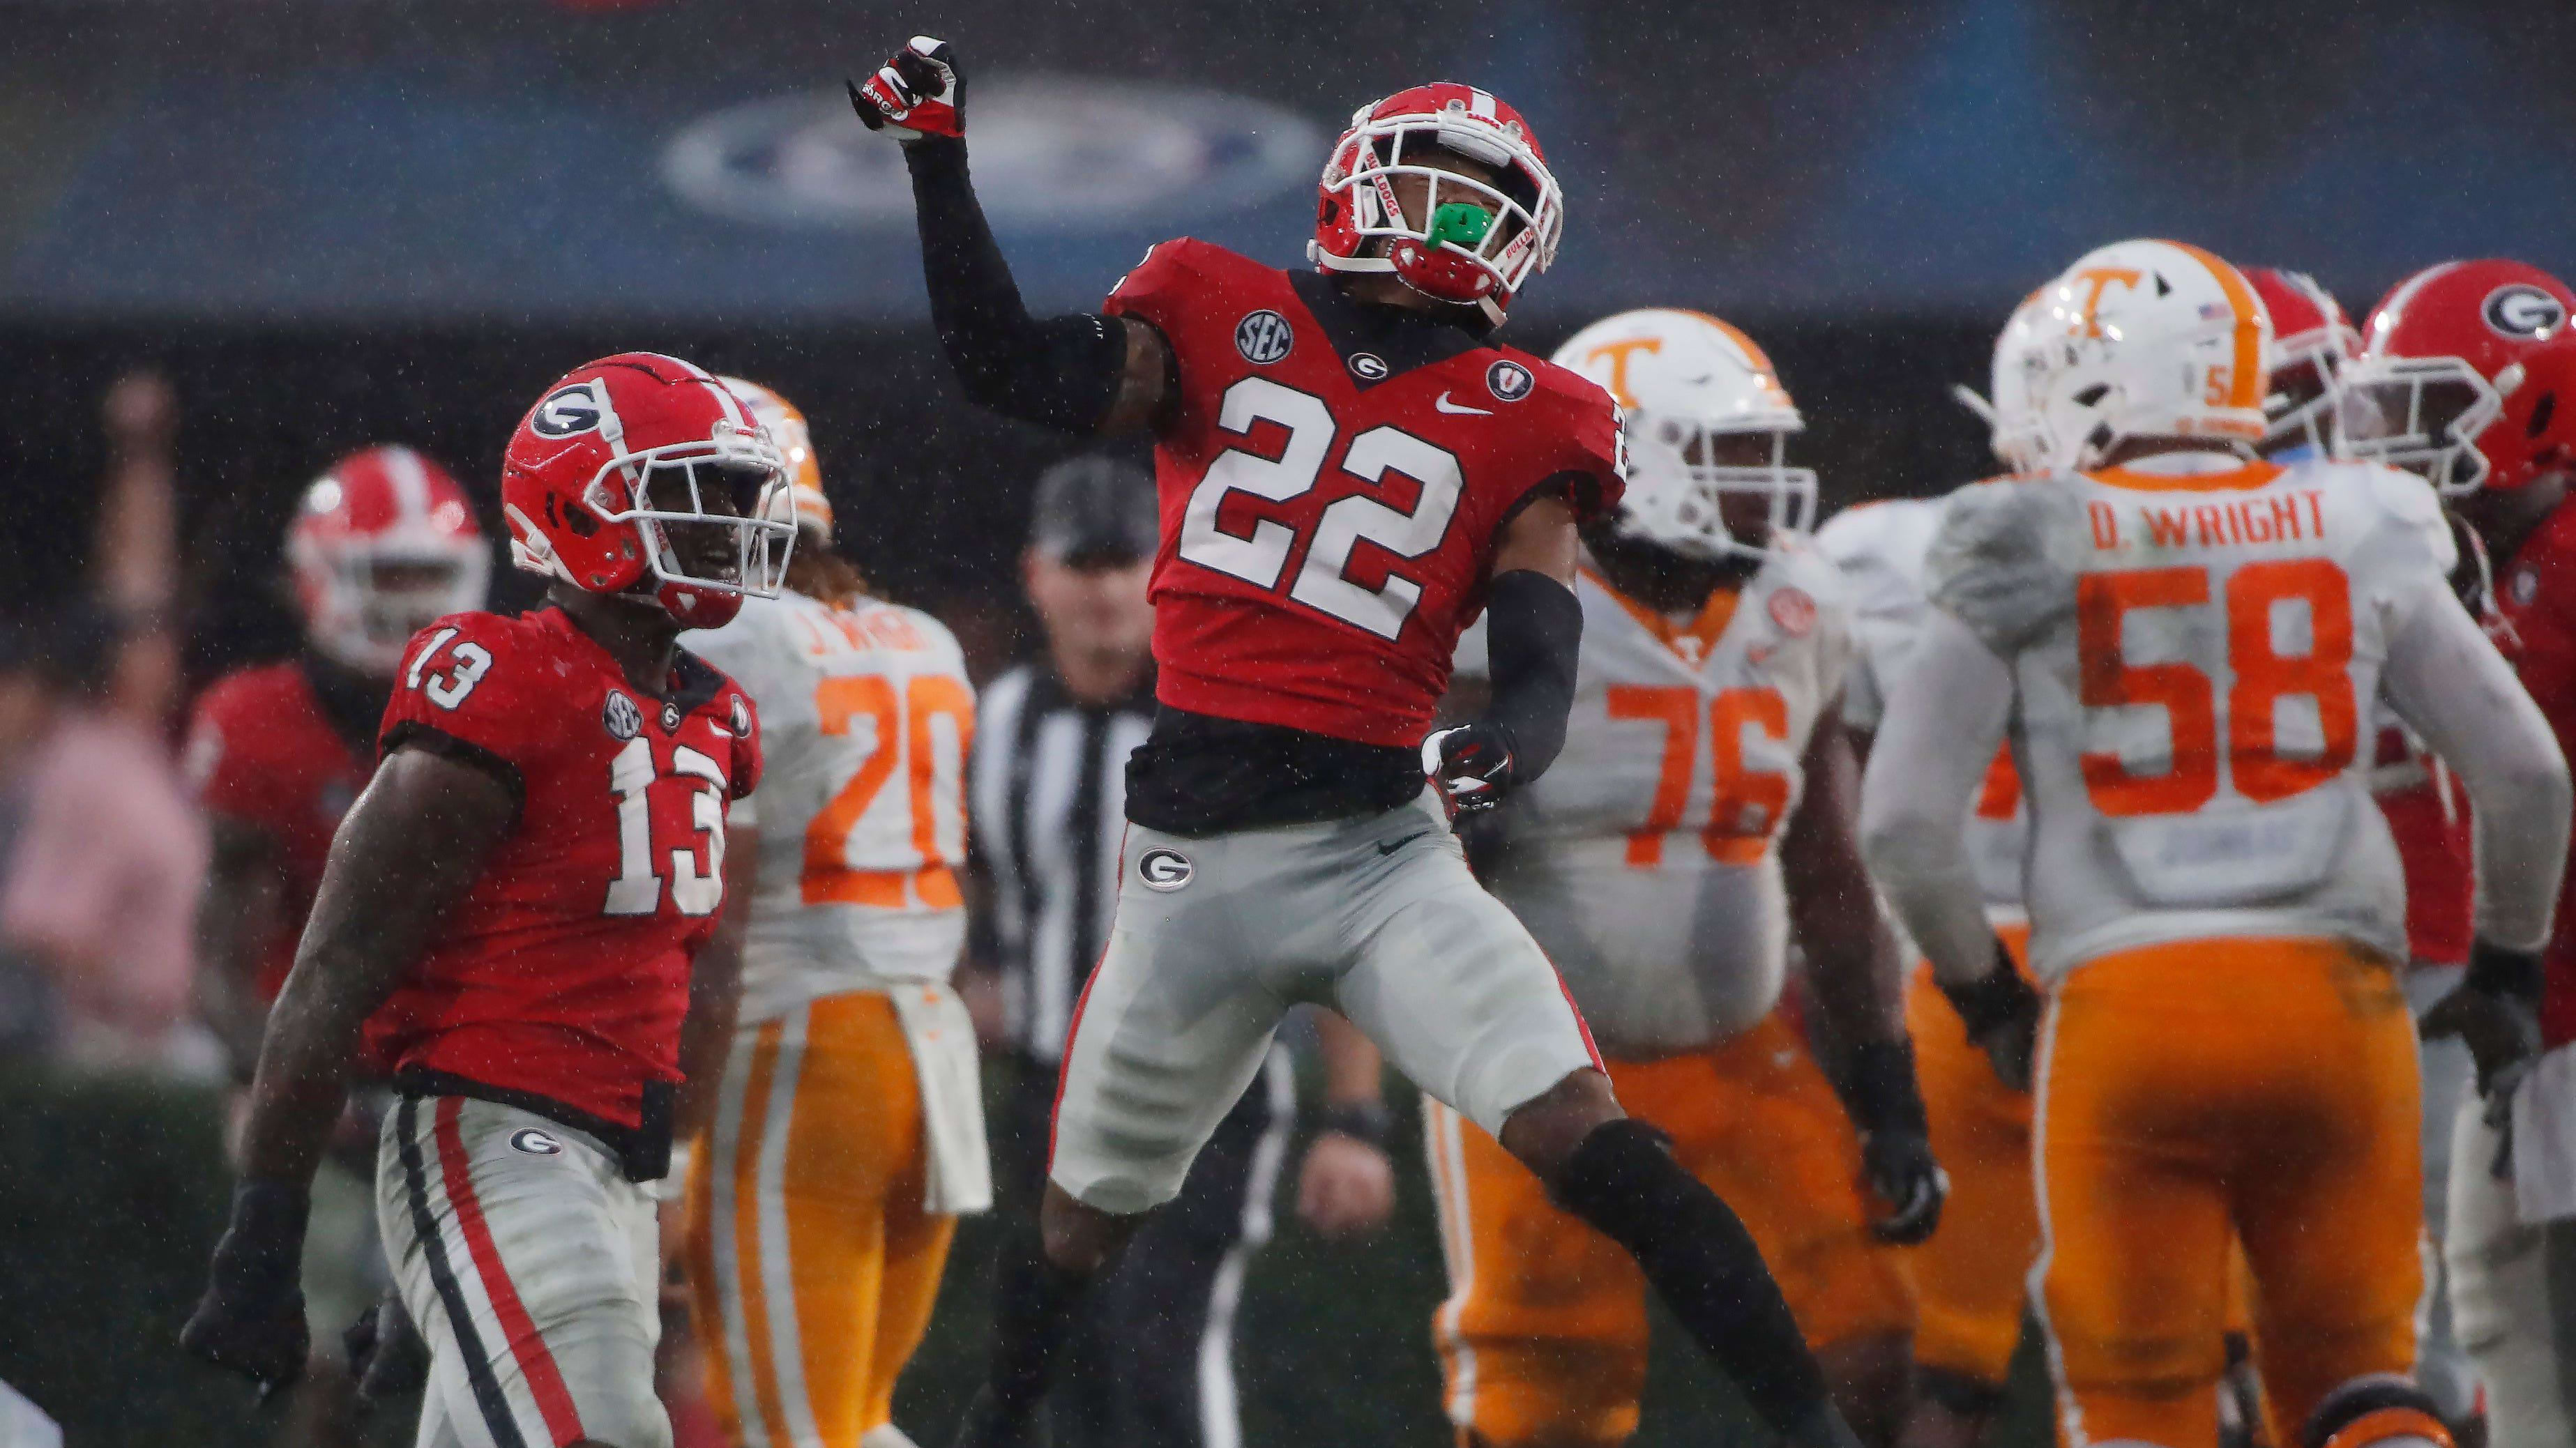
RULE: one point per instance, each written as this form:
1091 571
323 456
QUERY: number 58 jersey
866 716
2195 657
560 980
1332 476
1643 860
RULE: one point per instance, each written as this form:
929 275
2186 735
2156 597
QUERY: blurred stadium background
337 222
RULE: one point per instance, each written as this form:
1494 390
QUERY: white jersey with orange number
1643 860
1879 549
867 715
2195 656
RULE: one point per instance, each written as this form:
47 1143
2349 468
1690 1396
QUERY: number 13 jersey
1332 477
2195 657
560 980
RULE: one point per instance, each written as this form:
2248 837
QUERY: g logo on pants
535 1142
1164 870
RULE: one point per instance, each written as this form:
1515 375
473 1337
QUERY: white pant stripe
1220 1413
777 1277
1447 1149
2035 1290
725 1143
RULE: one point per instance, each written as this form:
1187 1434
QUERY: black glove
2496 1014
387 1357
1470 765
1896 1142
2001 1011
918 93
251 1319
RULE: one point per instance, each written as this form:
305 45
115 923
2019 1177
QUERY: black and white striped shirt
1048 801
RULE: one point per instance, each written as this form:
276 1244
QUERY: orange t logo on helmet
1618 353
2096 278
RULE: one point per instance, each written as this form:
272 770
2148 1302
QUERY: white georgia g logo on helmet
2523 311
566 412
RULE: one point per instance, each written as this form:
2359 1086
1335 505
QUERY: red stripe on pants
519 1332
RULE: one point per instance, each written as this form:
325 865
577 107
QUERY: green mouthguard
1463 222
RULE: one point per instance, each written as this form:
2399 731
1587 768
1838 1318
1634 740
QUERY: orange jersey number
902 730
1745 805
2261 676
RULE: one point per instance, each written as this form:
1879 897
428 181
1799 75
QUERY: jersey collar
1404 341
692 683
1692 642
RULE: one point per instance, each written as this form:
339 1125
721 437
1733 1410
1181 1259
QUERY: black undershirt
1201 775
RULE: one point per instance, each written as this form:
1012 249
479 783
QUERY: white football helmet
801 502
2015 432
1684 380
2147 339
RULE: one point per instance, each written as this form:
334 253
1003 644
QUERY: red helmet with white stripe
1476 241
2312 342
381 544
641 466
2467 375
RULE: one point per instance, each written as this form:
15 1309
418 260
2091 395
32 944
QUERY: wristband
1997 998
1367 1121
1884 1095
2508 974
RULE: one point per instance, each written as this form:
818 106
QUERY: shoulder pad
1997 562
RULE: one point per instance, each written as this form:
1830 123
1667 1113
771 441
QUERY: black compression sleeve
1533 633
1061 372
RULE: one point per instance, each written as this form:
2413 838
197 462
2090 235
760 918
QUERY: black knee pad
2379 1411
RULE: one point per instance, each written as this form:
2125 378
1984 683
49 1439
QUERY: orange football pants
811 1263
2266 1087
1543 1336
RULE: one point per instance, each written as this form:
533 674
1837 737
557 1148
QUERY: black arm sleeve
1533 633
1062 372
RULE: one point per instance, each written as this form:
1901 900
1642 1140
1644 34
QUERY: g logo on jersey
620 717
1164 870
1263 337
2524 312
535 1142
1369 367
566 412
1509 381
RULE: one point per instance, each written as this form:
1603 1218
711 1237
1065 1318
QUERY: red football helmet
2313 341
2467 374
1450 254
610 477
383 543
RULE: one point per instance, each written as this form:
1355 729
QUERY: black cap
1094 511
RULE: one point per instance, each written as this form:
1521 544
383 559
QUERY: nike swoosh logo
1389 849
1443 403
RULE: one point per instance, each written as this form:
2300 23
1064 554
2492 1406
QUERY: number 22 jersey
1332 477
560 980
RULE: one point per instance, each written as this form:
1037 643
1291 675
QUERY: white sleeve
1945 717
2446 679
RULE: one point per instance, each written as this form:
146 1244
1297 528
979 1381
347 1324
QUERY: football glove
386 1354
1470 765
2496 1014
918 93
2001 1011
251 1319
1896 1142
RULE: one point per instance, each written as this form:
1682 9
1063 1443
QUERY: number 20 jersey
2194 659
1643 861
564 973
1329 512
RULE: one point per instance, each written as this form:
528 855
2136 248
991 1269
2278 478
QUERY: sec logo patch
535 1142
1509 381
1263 337
1793 611
1164 870
620 717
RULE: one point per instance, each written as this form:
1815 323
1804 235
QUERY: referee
1155 1366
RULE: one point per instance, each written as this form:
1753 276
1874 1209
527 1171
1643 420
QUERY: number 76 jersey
563 975
2195 658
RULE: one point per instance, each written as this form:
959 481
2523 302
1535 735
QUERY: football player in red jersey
1349 472
381 545
509 915
2468 375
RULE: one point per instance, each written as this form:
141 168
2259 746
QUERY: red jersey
1332 478
262 751
2428 817
2537 597
562 977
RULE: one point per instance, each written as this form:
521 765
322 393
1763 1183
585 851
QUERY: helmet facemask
2422 414
395 591
1473 242
707 515
1679 487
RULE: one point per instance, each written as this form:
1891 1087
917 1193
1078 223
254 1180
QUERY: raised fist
1470 765
920 92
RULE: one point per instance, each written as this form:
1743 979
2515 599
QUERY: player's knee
1546 1131
2379 1411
